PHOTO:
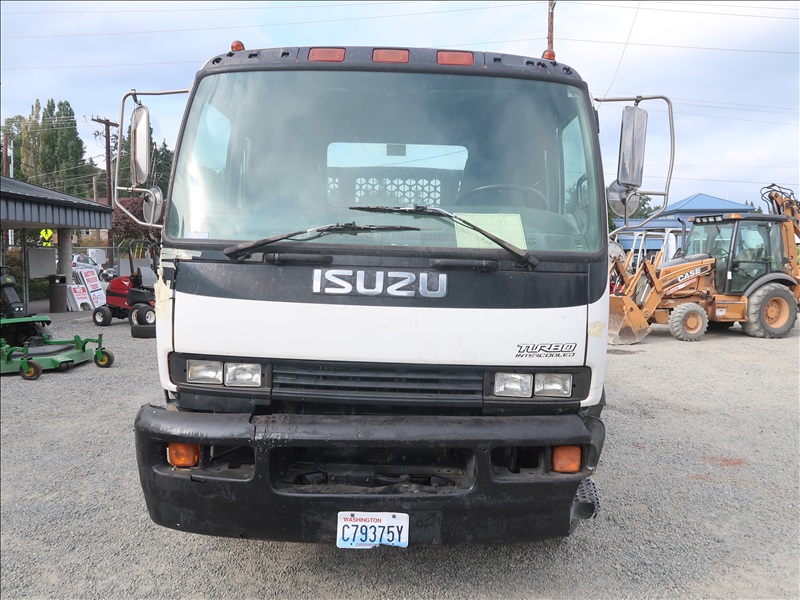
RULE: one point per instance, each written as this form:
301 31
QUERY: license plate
370 529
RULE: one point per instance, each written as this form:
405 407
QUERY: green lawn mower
26 346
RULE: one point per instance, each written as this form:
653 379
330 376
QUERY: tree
123 229
12 130
48 134
48 150
642 211
30 143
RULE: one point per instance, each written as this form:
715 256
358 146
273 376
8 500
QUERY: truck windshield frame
268 152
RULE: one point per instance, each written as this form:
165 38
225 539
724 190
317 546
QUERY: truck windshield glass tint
264 153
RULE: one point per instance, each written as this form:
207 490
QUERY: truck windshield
270 152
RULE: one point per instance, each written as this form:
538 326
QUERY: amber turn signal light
567 459
180 454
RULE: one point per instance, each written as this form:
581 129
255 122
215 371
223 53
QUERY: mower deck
30 361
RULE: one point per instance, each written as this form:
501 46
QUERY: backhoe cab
735 268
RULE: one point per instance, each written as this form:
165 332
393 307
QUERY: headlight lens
204 371
552 385
243 374
513 385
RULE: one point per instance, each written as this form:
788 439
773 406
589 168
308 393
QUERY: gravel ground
698 479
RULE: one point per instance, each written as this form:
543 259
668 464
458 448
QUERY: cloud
736 112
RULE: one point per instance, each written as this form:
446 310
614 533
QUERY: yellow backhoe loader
734 268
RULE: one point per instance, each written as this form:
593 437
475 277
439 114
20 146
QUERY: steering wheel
532 197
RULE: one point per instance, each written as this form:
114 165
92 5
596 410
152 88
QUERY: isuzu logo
400 284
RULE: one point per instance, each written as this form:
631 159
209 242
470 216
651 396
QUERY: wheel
33 371
146 315
105 360
532 197
102 316
688 322
771 312
143 331
133 312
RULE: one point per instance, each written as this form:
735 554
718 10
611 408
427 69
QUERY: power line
460 44
194 10
692 12
320 21
622 55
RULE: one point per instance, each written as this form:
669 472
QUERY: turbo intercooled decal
559 350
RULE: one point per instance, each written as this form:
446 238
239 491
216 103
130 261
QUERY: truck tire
771 312
688 322
143 331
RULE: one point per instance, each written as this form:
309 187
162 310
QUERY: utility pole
550 53
5 154
108 124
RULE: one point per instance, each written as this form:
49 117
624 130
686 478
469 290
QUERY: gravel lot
698 479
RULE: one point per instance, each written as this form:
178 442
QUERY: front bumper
489 504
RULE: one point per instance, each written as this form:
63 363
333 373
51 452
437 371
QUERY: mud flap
626 322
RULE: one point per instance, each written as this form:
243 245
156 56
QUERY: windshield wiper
242 250
522 255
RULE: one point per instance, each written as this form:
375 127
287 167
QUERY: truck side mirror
140 145
631 147
153 205
622 200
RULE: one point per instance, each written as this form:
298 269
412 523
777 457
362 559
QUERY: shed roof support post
65 254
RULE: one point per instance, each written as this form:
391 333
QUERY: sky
731 69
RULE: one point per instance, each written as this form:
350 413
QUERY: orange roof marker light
326 54
549 54
389 55
462 59
236 46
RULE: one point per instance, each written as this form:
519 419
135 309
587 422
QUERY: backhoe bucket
626 322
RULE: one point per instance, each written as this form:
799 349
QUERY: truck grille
377 384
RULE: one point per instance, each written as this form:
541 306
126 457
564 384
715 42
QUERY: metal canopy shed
26 206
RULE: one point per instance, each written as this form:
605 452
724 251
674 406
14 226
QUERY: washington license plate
370 529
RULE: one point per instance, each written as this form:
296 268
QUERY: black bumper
497 506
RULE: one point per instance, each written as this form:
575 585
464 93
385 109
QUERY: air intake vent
376 384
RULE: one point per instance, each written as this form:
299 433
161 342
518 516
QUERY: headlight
552 385
204 371
243 374
513 385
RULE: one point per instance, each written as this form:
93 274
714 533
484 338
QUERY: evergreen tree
12 130
69 154
29 162
48 147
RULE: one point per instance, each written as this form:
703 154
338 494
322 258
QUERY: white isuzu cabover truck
382 302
